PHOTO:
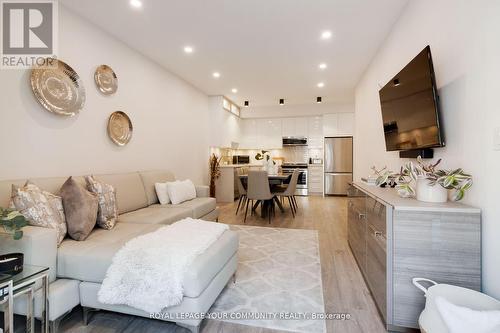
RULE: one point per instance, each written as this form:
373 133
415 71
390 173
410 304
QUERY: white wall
306 110
463 36
225 127
170 117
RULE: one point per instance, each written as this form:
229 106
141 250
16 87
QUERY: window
231 107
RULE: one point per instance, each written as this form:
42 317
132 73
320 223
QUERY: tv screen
410 110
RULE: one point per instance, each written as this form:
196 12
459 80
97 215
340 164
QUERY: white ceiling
267 49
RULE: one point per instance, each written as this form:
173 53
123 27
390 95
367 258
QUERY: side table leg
45 300
30 316
8 309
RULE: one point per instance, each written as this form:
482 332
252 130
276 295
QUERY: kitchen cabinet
315 179
395 240
250 135
338 124
315 132
269 133
295 127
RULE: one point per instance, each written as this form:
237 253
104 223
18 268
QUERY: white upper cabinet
315 132
249 133
338 124
270 133
262 133
294 126
288 127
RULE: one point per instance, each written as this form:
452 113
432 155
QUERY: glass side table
26 283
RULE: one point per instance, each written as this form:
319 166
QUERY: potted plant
427 177
12 222
214 164
267 162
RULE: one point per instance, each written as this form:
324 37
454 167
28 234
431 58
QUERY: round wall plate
120 128
106 80
58 89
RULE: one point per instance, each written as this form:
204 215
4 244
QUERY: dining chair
243 194
289 192
258 189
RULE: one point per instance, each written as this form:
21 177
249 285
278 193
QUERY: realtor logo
28 33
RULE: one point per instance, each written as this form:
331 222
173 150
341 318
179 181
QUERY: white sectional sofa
77 268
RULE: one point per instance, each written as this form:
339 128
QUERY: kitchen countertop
390 197
239 165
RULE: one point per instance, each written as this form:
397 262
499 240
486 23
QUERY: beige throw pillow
107 214
80 207
40 208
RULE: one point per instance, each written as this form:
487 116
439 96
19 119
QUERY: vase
430 193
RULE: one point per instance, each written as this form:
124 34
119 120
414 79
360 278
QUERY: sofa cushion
89 260
149 178
40 208
80 207
130 193
156 215
198 206
107 213
75 258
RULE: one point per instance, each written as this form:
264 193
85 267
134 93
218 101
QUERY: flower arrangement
456 180
214 163
12 222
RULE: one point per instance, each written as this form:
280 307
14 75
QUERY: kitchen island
226 186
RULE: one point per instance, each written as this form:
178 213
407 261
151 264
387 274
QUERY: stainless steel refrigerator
338 165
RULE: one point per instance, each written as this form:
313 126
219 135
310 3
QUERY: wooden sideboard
395 239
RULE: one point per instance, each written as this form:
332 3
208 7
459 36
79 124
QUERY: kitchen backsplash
289 154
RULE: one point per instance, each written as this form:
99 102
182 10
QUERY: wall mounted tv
410 109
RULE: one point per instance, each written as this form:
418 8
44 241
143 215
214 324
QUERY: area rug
279 274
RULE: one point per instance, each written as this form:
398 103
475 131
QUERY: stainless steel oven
287 168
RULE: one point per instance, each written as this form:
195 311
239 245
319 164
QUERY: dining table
276 179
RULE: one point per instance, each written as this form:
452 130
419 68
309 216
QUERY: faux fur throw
147 272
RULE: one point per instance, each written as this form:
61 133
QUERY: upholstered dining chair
258 189
289 192
243 194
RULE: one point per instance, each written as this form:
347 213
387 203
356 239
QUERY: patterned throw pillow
107 214
40 208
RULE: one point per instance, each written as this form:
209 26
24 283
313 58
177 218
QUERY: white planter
428 193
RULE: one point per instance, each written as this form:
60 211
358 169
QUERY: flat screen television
410 110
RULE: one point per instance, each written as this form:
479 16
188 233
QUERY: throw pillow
40 208
162 193
107 214
180 191
80 207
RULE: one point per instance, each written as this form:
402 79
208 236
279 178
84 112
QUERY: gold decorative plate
106 80
120 128
58 89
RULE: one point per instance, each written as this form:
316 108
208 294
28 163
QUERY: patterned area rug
279 271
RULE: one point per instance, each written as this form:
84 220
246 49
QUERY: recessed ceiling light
234 90
320 85
322 66
136 3
216 75
327 34
188 49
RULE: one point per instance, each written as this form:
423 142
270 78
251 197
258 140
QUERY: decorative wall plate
120 128
58 89
106 80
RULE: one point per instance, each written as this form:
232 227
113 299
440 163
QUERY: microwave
294 141
241 159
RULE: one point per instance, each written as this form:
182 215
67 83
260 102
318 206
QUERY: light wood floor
343 286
